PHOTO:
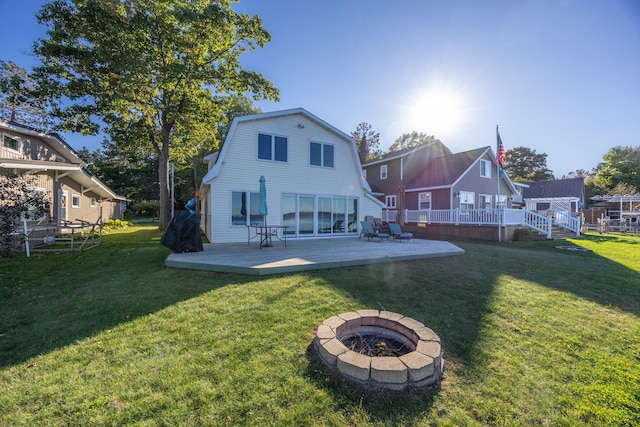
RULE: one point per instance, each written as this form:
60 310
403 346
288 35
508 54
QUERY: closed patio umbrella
400 204
263 199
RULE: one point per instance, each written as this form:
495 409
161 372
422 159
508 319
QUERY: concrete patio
306 254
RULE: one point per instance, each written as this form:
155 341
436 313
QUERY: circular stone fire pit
414 357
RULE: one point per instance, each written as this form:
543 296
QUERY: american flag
502 155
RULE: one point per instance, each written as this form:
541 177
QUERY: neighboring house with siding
558 195
74 193
435 178
313 176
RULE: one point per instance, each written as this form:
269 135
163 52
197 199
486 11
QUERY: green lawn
532 335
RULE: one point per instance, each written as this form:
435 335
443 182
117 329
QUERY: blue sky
561 77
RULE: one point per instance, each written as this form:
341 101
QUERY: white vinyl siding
240 171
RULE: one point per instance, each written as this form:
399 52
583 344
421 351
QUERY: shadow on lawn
54 299
452 296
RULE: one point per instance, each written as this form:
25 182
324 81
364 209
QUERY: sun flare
437 111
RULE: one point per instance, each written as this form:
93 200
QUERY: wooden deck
306 254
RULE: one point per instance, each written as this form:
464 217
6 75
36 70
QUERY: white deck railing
502 216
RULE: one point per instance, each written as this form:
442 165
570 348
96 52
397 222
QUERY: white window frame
322 154
93 202
501 200
485 168
75 198
18 141
272 157
467 198
424 201
383 172
391 201
250 208
39 190
487 197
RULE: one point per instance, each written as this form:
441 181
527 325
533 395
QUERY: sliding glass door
309 215
306 215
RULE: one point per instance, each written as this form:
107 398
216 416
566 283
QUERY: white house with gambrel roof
313 174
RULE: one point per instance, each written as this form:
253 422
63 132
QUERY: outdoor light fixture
300 125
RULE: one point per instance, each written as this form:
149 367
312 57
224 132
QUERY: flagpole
498 176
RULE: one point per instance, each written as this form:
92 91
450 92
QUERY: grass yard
532 335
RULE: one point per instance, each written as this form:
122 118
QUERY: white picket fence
503 216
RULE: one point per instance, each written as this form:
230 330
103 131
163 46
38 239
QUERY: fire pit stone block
424 365
419 366
354 365
330 349
389 372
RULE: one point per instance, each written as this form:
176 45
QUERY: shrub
128 215
522 235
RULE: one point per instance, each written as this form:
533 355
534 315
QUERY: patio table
266 234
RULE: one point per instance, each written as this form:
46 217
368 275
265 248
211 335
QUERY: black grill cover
183 233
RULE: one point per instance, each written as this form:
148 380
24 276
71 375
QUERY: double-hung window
383 172
424 201
36 202
467 200
321 154
272 147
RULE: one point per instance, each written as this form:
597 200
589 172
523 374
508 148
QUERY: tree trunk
163 180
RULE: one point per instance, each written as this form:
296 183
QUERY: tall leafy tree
18 99
620 166
159 74
410 140
524 164
367 141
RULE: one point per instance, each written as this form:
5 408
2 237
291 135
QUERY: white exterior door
63 205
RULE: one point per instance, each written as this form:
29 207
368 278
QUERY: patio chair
398 234
369 232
